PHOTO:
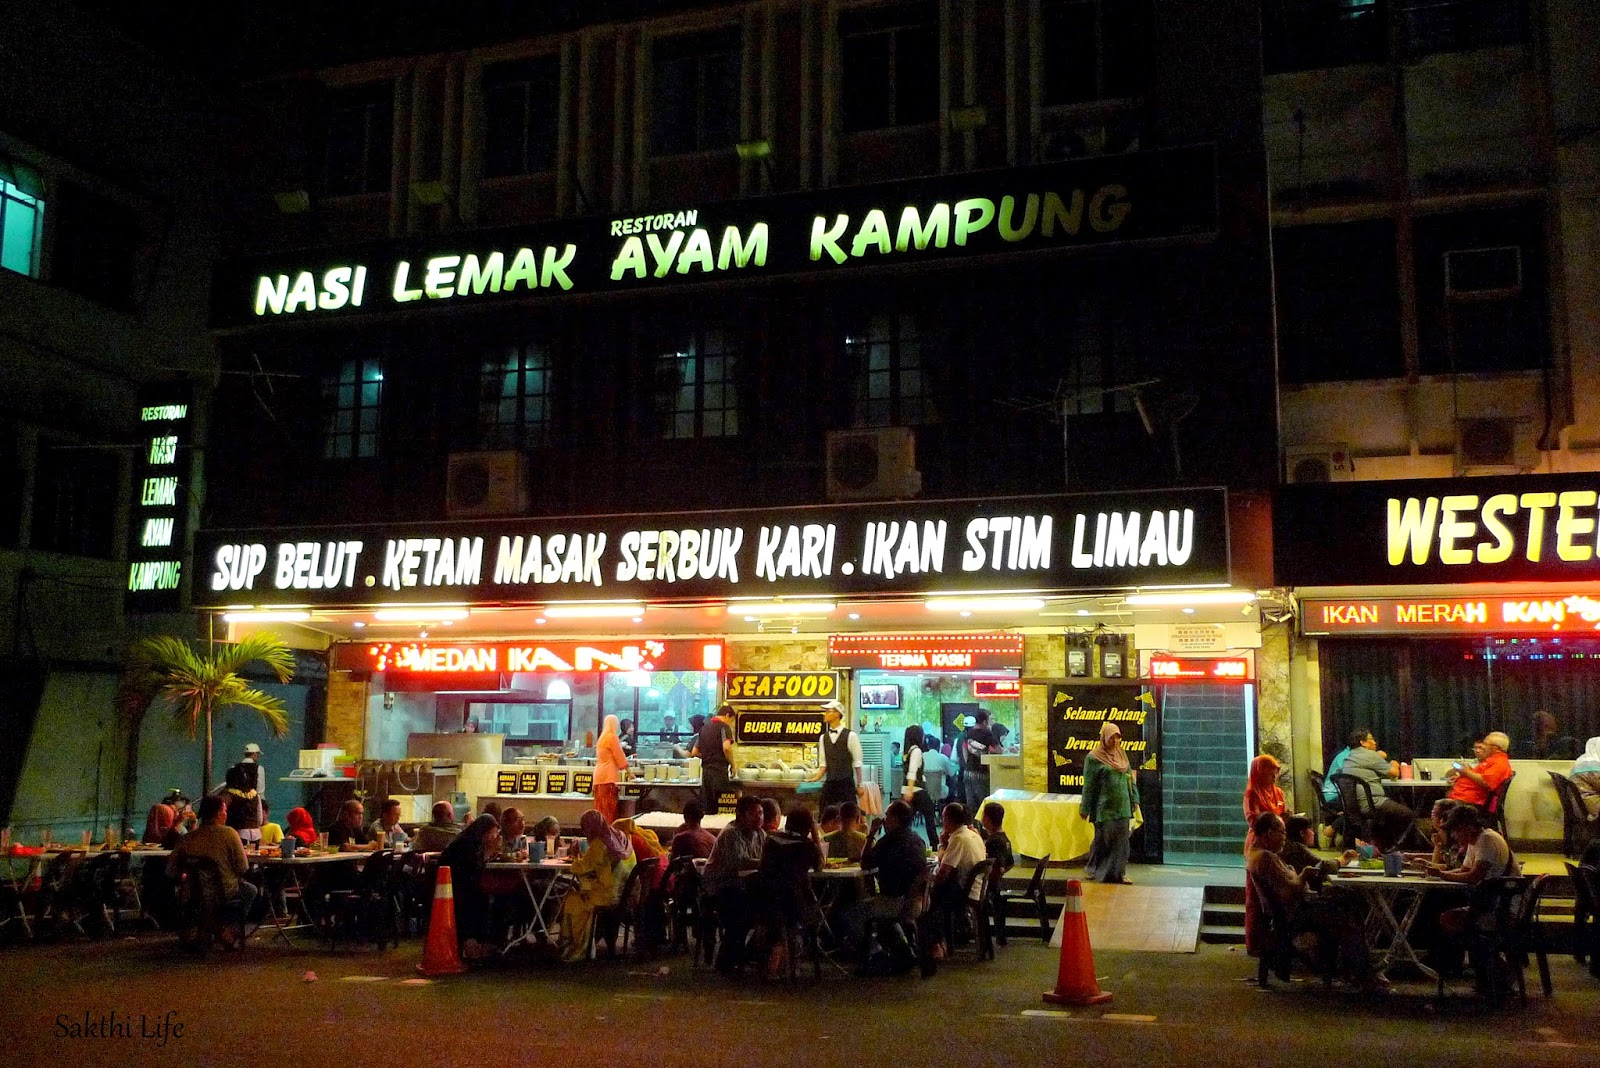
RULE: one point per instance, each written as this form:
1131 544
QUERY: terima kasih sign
1120 198
1098 541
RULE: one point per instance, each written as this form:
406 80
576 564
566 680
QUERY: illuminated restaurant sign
1024 544
467 658
157 516
1075 203
924 652
778 728
999 688
1518 614
1161 668
782 687
1538 528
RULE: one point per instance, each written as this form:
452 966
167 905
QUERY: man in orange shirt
1475 785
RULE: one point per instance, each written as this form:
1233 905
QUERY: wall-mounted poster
1075 712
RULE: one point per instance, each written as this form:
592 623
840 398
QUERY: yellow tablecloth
1047 825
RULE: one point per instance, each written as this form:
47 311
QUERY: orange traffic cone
1075 982
439 955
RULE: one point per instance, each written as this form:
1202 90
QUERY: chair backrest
1497 800
1502 899
637 886
1589 879
1036 881
977 877
1318 783
1351 788
1528 914
375 873
1267 903
681 878
202 878
916 899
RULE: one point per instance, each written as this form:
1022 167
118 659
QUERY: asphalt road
255 1008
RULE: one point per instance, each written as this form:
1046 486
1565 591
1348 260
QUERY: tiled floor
1153 919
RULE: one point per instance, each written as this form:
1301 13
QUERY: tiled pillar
1044 656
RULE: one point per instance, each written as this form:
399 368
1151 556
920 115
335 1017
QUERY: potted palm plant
200 683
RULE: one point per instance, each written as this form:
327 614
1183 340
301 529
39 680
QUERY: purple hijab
594 827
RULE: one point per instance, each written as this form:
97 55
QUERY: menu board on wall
1075 712
555 782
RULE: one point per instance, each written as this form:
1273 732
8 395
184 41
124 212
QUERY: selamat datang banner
1075 712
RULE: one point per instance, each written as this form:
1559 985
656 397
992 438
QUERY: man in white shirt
961 848
839 754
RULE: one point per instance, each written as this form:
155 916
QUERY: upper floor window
514 397
1481 291
94 248
21 218
695 98
1095 49
1310 34
352 397
360 143
697 390
75 501
890 58
1338 302
1430 26
521 102
889 379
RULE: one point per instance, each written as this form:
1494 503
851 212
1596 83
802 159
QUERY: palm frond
263 646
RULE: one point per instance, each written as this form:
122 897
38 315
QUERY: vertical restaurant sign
157 516
1136 196
1075 712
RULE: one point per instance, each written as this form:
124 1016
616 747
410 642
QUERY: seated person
1484 855
433 837
960 850
349 833
271 833
1300 835
513 836
646 846
545 830
301 829
828 821
849 840
1369 764
691 839
782 883
215 841
1333 918
466 856
388 822
996 843
162 817
1475 785
736 854
896 860
599 874
1586 777
771 815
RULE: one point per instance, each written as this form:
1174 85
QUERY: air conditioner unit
1319 463
1483 273
874 463
1498 445
486 484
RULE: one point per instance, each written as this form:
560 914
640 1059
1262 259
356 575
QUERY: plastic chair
1325 812
623 917
909 920
1577 829
1589 877
1355 798
200 903
1001 899
680 900
1495 807
365 911
1506 902
1277 952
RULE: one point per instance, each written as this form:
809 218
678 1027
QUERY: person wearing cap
839 753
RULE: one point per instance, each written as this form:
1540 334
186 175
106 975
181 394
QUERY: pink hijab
596 829
1111 756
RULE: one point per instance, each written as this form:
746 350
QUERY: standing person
737 852
1110 798
839 752
252 754
609 763
1262 794
979 741
1475 785
714 746
1586 777
243 801
935 768
628 734
915 791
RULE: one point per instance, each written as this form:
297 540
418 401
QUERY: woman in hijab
163 815
609 763
1110 797
1586 777
1261 794
466 857
600 873
646 844
301 827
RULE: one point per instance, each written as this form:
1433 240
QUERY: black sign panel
1073 728
1078 203
1067 542
555 782
582 782
158 516
527 782
783 687
778 728
505 782
1537 528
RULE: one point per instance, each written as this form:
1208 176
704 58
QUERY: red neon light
996 688
1198 669
454 658
925 652
1522 614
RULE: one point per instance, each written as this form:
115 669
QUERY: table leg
1401 948
535 924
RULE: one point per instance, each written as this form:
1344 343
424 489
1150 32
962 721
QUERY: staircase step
1215 935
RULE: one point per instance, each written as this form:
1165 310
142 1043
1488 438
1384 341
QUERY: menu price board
1075 712
505 782
582 782
555 782
727 802
800 727
527 782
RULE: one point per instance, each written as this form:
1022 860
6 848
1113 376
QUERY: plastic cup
536 854
1394 862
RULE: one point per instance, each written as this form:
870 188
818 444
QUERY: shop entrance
1208 737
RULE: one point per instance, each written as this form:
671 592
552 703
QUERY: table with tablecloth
1047 825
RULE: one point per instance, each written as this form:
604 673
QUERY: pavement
257 1008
